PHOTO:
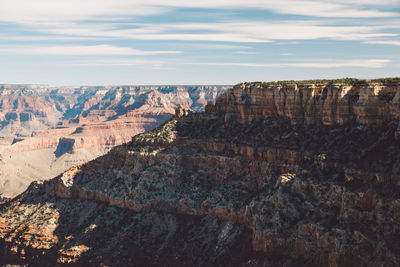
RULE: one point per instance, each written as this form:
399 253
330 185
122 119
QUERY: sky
131 42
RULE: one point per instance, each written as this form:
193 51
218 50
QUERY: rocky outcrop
215 188
65 145
94 118
315 103
28 108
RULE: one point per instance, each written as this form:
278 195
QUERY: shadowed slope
213 189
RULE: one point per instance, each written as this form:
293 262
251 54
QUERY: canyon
45 130
268 175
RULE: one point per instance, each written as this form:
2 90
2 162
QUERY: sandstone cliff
26 108
314 104
94 119
250 182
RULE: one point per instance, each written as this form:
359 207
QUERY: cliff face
229 187
314 104
94 119
26 108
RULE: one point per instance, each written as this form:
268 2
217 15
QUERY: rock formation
36 120
314 104
265 177
65 145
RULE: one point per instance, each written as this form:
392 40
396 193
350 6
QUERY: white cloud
89 50
68 10
230 31
215 46
370 63
244 53
47 38
367 2
328 63
211 32
120 62
386 42
26 11
111 19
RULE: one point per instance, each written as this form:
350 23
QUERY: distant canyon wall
27 109
45 130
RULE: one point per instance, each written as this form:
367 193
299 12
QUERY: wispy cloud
328 63
187 33
215 46
120 62
386 42
245 31
371 63
88 50
112 19
39 10
244 53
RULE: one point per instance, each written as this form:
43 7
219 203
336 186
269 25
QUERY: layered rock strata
314 104
35 121
237 185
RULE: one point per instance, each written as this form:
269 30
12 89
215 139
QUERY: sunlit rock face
237 185
313 104
45 130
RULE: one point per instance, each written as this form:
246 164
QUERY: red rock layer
324 103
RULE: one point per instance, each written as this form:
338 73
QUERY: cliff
26 108
249 182
94 119
314 103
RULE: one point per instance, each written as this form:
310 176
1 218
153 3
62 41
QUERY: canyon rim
46 130
269 175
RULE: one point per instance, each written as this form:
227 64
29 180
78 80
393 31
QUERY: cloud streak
120 62
245 31
289 37
112 19
370 63
386 42
328 63
69 10
81 50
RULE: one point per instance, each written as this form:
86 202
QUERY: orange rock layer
316 104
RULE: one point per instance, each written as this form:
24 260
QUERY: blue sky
110 42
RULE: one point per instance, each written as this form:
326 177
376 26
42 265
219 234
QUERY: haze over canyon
45 130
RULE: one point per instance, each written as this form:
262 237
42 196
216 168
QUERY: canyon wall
35 121
26 109
315 103
245 183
